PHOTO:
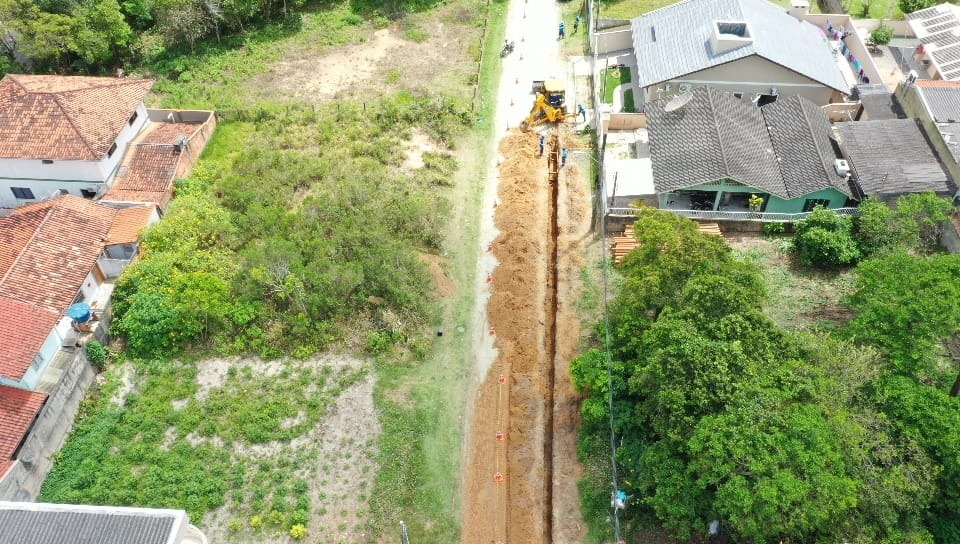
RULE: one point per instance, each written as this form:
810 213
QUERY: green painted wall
795 205
774 203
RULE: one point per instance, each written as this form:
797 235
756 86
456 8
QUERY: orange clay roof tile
65 117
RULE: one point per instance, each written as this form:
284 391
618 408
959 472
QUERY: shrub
298 532
97 355
256 521
825 239
882 34
774 228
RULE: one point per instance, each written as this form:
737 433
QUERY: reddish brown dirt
534 406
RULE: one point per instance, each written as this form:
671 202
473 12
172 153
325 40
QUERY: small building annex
752 48
936 104
39 523
889 158
711 152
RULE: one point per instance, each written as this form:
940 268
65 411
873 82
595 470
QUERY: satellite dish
678 101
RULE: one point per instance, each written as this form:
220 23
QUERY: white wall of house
89 288
749 75
41 189
44 180
49 348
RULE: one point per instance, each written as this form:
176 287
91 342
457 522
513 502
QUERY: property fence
710 215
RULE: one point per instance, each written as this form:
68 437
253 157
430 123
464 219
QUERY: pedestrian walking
561 30
541 144
576 23
581 111
563 157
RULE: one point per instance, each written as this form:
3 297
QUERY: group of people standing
576 25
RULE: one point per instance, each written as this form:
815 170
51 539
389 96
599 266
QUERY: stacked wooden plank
627 242
624 244
710 228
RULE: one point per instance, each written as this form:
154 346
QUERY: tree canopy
781 436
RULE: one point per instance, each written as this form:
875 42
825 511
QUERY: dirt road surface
520 482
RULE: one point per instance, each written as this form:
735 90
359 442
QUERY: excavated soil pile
522 486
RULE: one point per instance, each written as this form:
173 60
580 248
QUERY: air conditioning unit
912 76
841 167
774 91
685 87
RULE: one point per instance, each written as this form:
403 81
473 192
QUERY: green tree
920 219
909 6
101 32
906 305
882 34
874 228
825 239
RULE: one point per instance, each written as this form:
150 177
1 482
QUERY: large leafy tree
720 414
906 305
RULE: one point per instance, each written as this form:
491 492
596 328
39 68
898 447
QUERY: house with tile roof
712 152
65 134
936 105
889 158
40 523
752 48
19 411
52 254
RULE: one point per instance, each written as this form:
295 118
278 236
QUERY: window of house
133 118
112 149
22 193
86 193
47 161
812 203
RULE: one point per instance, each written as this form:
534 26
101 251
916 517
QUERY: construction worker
561 30
576 23
542 138
563 157
582 111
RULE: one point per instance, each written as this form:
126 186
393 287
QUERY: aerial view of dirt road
521 478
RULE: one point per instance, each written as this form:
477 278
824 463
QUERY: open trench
521 482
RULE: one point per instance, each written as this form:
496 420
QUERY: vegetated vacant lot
797 297
330 206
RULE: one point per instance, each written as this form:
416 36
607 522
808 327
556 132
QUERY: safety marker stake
495 204
489 278
490 248
498 477
517 81
501 378
499 436
492 331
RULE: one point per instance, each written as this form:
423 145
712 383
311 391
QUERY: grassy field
798 298
241 452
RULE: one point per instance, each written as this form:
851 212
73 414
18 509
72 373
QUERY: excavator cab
549 106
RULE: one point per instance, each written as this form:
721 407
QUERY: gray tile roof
783 148
32 523
891 157
878 102
943 103
675 40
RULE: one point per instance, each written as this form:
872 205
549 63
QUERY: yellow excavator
549 106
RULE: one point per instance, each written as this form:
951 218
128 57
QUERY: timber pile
627 242
624 244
